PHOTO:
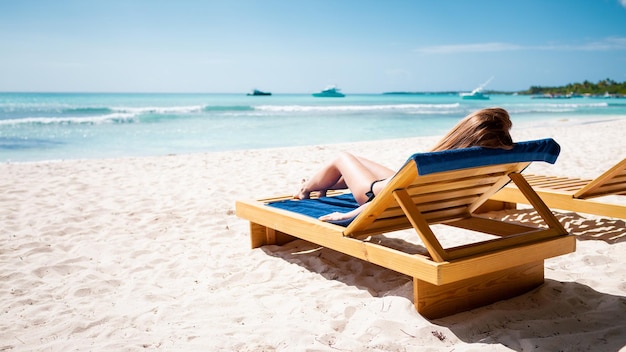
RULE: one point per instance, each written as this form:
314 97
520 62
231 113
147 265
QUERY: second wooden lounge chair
434 188
572 193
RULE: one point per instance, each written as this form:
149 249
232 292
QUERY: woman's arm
336 216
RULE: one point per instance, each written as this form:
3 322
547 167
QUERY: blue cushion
427 163
320 206
540 150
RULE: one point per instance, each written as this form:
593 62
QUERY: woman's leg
376 169
380 171
354 172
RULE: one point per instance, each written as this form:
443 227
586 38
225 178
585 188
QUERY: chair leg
495 205
433 301
262 236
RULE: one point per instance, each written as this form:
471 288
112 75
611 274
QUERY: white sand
147 254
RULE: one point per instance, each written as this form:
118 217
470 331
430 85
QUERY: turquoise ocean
56 126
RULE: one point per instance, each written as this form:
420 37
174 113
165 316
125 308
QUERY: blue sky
295 46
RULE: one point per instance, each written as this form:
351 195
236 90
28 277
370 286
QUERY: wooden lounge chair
435 188
572 193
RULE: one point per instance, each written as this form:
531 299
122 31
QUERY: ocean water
54 126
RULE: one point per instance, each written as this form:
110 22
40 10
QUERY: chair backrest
448 185
613 181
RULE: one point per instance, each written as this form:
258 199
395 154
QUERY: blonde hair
484 128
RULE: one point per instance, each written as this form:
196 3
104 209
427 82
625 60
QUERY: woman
365 178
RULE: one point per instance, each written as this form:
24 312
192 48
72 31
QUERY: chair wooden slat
573 194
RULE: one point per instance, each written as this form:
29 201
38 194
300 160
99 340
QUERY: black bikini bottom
370 194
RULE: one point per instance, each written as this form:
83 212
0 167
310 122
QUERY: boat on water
477 94
256 92
329 92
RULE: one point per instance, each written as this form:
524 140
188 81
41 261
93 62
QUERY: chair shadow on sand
541 319
609 230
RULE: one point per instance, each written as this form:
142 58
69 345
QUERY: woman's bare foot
302 193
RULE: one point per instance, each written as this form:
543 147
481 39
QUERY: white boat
477 94
329 92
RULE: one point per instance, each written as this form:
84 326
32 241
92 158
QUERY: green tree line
600 88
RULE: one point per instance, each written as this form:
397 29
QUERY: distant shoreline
603 89
542 96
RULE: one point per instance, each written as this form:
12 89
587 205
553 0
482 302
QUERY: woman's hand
336 216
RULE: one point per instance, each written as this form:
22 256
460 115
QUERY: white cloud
611 43
623 2
468 48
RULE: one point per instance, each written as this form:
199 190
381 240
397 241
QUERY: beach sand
143 254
